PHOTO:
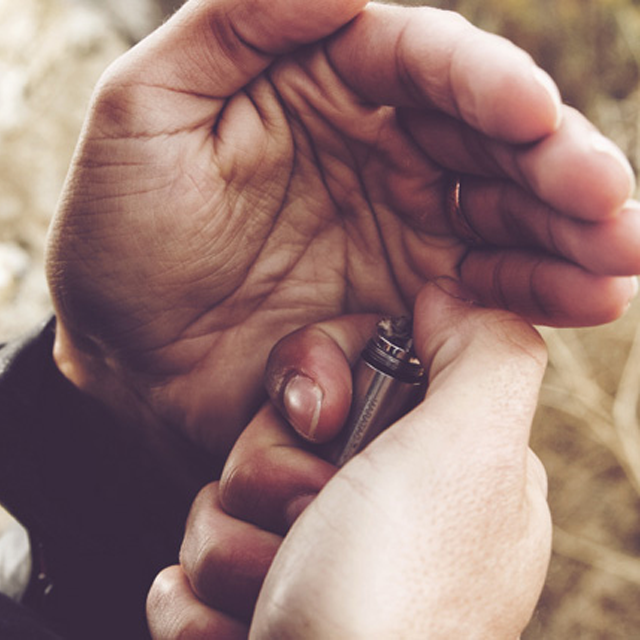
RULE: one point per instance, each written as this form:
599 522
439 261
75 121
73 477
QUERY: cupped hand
256 166
439 529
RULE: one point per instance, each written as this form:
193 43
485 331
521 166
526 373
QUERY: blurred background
586 431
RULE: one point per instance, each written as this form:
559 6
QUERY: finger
429 58
578 170
173 611
225 559
308 374
213 48
270 476
545 290
501 214
575 170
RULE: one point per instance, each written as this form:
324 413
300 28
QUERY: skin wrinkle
507 205
462 260
508 218
475 145
462 211
255 102
223 31
254 264
374 215
409 139
215 127
355 170
125 98
551 221
324 174
239 37
455 269
450 84
195 321
497 280
326 50
313 148
359 170
406 79
536 291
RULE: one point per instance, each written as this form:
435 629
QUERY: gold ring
460 223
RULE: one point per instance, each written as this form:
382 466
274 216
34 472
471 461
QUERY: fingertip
579 171
550 94
618 169
546 290
627 292
593 300
308 375
610 247
504 93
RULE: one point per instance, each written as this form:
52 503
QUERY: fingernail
302 399
455 289
546 82
603 145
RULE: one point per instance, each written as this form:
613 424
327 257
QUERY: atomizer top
391 351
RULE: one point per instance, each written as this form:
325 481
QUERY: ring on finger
455 212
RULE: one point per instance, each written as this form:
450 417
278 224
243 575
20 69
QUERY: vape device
388 381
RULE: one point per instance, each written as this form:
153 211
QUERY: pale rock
52 53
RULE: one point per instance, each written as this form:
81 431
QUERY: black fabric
19 623
105 509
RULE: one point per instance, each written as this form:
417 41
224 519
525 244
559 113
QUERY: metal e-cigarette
388 381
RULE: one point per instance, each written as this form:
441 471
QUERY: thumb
213 48
485 370
308 374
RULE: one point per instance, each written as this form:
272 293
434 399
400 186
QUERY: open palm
256 166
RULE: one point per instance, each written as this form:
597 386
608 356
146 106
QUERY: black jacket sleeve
104 510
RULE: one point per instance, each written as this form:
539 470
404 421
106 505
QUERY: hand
439 529
255 166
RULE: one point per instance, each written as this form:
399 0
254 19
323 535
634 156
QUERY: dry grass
588 435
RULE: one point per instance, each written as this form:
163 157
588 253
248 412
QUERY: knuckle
192 629
247 482
162 603
163 586
212 569
235 484
120 100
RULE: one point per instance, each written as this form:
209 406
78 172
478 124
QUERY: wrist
79 366
89 370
